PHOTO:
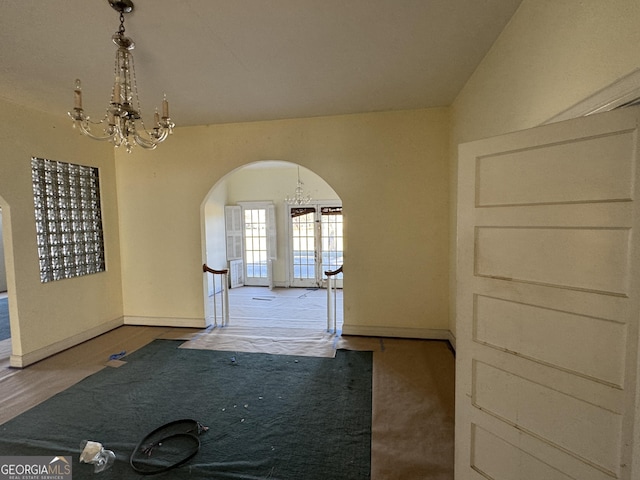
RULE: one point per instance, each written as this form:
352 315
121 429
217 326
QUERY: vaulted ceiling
223 61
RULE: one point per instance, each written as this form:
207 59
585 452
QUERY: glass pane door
255 246
303 241
331 241
316 244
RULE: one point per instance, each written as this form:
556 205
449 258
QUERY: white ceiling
223 61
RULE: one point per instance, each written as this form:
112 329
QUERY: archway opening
6 293
282 250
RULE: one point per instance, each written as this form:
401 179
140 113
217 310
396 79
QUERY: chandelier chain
135 91
121 29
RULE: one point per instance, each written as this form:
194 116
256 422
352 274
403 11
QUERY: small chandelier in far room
298 198
122 123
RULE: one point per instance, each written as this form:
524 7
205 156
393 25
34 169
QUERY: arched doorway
6 293
284 249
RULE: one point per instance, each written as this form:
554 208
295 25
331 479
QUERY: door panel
547 303
539 175
332 240
256 249
316 244
304 246
559 258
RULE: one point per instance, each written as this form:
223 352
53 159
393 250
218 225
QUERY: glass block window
68 219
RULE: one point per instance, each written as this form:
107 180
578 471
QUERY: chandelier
122 123
298 198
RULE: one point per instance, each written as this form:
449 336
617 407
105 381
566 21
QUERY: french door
251 241
255 246
316 244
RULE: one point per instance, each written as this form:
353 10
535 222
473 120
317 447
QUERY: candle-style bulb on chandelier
122 123
298 197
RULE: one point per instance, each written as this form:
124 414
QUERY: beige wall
48 317
552 55
390 170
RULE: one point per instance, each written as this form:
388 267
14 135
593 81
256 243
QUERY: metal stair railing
331 298
224 290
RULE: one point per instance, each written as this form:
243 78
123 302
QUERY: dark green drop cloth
5 331
270 416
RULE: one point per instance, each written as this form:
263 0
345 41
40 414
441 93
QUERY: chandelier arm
87 132
96 122
143 137
162 134
159 134
144 142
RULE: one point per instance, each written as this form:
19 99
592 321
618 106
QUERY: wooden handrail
331 273
205 268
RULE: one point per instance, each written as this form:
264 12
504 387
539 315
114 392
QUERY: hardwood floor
412 398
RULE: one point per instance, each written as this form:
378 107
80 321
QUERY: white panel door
547 303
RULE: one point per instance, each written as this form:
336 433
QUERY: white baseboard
165 321
452 340
21 361
397 332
